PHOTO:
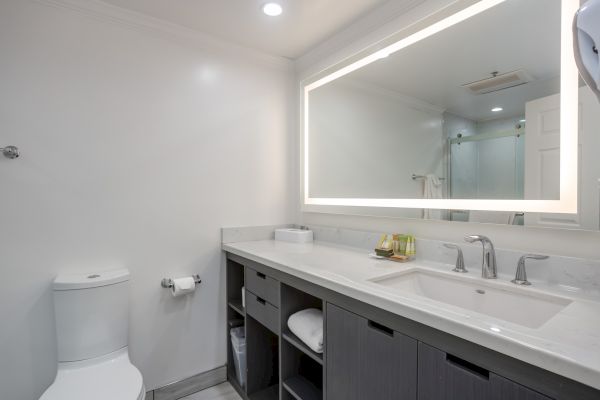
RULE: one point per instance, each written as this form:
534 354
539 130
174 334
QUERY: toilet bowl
92 328
108 377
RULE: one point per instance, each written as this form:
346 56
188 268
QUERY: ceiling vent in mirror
499 82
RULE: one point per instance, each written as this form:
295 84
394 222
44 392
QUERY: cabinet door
503 389
444 377
542 160
368 361
389 362
343 341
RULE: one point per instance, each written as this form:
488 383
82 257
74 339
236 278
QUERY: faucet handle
521 275
460 260
477 238
533 257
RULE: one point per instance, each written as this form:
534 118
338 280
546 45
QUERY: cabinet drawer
263 312
263 286
442 376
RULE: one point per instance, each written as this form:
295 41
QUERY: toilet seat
108 377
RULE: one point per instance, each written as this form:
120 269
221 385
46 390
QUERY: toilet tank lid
90 279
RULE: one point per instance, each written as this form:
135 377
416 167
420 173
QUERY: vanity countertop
568 344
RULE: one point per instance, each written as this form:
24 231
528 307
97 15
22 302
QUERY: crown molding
391 94
139 22
366 32
368 29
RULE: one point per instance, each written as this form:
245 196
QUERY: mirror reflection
455 115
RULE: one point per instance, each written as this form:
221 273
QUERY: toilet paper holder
167 283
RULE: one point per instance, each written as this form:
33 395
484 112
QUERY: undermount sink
514 305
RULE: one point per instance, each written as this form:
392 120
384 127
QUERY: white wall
367 142
357 37
135 151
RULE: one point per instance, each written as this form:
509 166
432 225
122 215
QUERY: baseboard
185 387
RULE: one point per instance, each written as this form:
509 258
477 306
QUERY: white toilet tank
92 312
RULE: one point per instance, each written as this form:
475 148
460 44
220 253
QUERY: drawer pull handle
468 367
383 329
261 301
261 275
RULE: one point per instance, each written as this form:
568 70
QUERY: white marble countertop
568 344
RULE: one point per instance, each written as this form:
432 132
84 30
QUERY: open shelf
236 305
270 393
262 352
235 314
235 322
299 344
302 371
302 389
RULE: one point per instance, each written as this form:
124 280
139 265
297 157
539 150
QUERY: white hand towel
308 326
432 189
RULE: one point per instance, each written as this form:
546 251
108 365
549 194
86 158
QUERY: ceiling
303 24
510 36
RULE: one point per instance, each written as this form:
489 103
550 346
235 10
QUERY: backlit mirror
461 118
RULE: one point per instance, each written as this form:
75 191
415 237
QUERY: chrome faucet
488 264
521 275
460 260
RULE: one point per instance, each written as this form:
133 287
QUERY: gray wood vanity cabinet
369 353
445 377
366 360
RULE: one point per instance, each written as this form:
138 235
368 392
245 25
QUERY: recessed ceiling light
497 109
272 9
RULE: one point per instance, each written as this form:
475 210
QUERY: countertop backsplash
570 274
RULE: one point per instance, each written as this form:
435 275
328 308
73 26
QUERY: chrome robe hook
10 152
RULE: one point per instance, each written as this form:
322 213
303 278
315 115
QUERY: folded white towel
308 326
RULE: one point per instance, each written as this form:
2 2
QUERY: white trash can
238 345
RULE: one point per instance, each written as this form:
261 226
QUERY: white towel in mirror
432 189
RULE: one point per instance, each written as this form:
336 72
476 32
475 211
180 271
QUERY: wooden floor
224 391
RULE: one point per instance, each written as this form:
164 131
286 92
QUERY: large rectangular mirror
473 110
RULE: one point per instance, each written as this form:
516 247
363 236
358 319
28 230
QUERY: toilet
92 312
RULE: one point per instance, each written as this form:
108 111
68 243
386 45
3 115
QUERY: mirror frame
453 14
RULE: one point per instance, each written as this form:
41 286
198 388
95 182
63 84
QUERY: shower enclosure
487 164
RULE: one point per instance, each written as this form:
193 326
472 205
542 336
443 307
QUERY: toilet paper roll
183 286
